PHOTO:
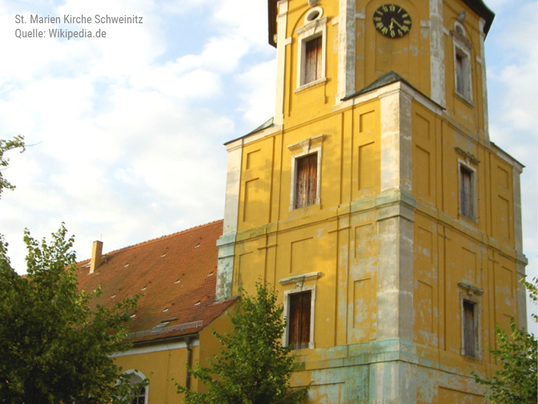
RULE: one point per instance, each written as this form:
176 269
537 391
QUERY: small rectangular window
313 59
467 192
299 319
470 334
306 180
462 74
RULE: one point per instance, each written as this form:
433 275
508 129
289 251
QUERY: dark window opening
469 329
466 192
460 84
313 60
306 180
299 319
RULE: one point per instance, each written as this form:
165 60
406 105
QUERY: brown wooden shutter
469 329
299 319
306 180
466 192
313 60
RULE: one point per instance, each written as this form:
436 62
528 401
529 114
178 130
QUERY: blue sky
126 132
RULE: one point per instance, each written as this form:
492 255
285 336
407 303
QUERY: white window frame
462 48
139 375
473 195
301 149
311 30
299 289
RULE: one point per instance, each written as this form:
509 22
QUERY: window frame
471 294
310 31
303 149
287 298
462 51
309 201
464 166
475 354
135 377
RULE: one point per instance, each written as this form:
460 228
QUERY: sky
125 133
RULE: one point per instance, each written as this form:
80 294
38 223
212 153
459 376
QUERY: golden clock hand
396 22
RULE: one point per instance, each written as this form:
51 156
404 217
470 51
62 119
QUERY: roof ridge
154 240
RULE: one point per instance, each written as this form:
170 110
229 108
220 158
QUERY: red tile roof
175 275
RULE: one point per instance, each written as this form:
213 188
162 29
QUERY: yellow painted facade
163 362
393 256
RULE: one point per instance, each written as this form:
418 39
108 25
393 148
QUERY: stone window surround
311 30
462 48
301 149
471 294
474 197
301 288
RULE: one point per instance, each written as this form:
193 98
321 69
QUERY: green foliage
6 145
517 381
53 347
253 366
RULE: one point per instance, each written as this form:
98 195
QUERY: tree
53 347
253 366
6 145
517 381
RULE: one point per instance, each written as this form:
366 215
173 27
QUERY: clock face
392 20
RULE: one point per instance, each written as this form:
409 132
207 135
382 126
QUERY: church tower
375 203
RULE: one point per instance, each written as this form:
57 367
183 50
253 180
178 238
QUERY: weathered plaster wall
385 248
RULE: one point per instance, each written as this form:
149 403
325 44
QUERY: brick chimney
97 255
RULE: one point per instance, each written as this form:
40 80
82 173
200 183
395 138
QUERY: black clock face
392 20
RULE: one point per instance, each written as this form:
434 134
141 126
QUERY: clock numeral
384 30
407 22
379 25
392 7
379 12
377 19
405 15
405 29
385 9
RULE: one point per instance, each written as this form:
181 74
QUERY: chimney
97 255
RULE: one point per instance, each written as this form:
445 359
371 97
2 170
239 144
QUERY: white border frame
312 30
300 289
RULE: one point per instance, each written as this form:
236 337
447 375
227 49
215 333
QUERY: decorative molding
468 156
300 279
307 144
471 289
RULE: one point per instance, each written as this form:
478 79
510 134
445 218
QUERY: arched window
143 392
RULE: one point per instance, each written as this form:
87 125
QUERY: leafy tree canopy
6 145
253 366
54 347
517 381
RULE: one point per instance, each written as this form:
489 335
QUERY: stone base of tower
382 372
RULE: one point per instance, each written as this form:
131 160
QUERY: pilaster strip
437 51
346 49
281 60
